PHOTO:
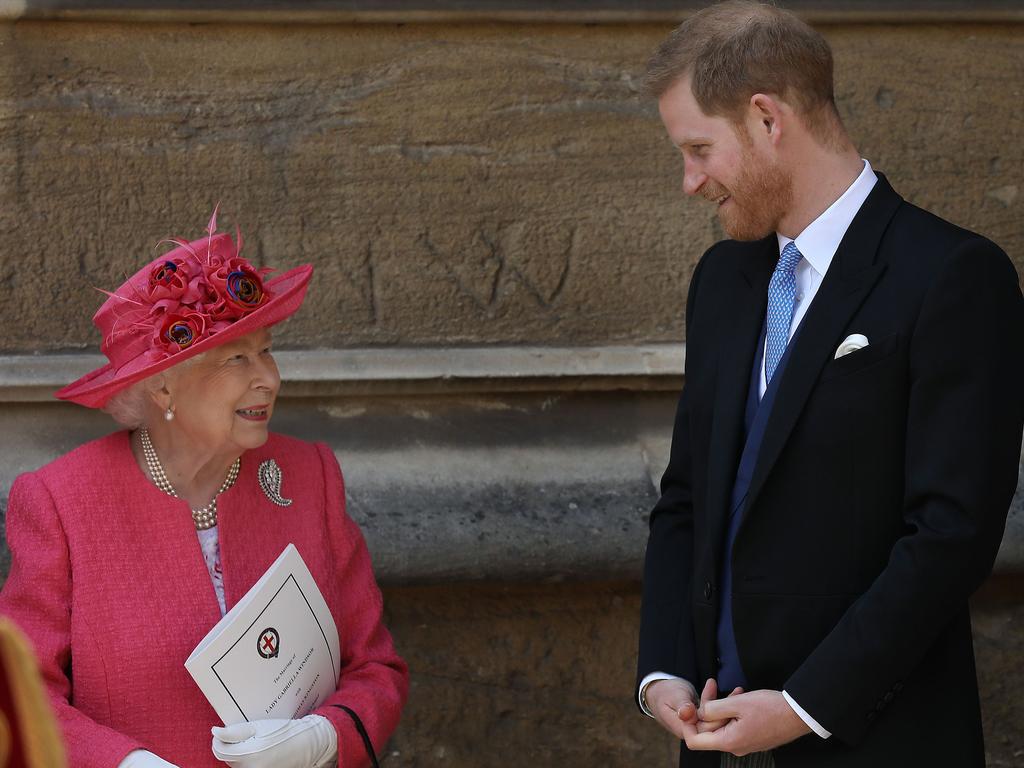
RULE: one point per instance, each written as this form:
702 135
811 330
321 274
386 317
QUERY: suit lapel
737 349
850 278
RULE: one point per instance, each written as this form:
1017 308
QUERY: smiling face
727 165
224 402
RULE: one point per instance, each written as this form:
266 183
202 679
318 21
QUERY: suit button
707 590
888 697
872 715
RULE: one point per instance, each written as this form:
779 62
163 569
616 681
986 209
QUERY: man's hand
755 722
674 705
710 693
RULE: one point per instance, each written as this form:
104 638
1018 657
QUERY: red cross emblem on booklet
269 644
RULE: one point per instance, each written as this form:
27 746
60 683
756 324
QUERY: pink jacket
108 581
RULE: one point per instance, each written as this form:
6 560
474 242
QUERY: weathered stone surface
383 371
538 676
453 184
1012 548
531 11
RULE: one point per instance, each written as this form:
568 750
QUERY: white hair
130 407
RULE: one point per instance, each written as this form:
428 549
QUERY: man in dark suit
847 441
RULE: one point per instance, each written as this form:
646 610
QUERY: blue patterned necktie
781 299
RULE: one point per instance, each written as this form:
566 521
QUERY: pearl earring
169 414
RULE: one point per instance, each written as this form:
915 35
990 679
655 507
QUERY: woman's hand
140 758
307 743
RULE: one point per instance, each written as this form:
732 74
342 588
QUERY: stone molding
402 370
489 11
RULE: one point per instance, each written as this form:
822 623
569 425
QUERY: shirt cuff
813 724
647 681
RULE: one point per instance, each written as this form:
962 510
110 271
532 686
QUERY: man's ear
766 117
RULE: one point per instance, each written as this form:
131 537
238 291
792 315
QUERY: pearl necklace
204 517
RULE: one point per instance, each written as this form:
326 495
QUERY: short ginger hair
734 49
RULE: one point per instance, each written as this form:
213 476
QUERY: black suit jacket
879 497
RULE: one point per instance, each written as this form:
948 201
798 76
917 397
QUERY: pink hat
196 297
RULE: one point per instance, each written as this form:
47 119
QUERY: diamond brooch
270 475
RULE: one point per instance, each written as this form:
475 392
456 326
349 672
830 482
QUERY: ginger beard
758 198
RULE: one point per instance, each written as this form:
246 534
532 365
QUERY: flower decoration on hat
180 331
168 280
238 289
192 293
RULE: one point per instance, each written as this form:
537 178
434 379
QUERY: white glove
140 758
310 742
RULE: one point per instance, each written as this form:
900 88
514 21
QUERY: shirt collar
820 240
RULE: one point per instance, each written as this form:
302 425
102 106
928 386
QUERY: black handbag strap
362 732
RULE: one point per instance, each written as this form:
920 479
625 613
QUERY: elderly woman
127 550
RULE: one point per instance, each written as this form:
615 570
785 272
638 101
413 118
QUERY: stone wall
454 184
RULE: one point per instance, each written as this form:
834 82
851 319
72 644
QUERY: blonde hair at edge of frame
737 48
129 407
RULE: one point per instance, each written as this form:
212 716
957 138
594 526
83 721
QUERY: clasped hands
740 724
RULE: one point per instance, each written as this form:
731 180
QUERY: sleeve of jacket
374 680
37 596
666 624
964 415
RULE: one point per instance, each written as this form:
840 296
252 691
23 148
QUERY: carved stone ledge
406 370
509 11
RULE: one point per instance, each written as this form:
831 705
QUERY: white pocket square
851 343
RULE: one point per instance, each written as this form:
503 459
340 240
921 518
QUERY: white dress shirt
817 244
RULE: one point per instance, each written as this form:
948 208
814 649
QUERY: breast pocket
873 354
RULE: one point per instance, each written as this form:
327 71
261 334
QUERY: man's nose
693 180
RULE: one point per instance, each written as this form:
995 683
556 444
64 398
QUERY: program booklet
275 654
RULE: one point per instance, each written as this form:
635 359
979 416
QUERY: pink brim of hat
94 389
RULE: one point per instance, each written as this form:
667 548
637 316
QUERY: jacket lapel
850 278
737 349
